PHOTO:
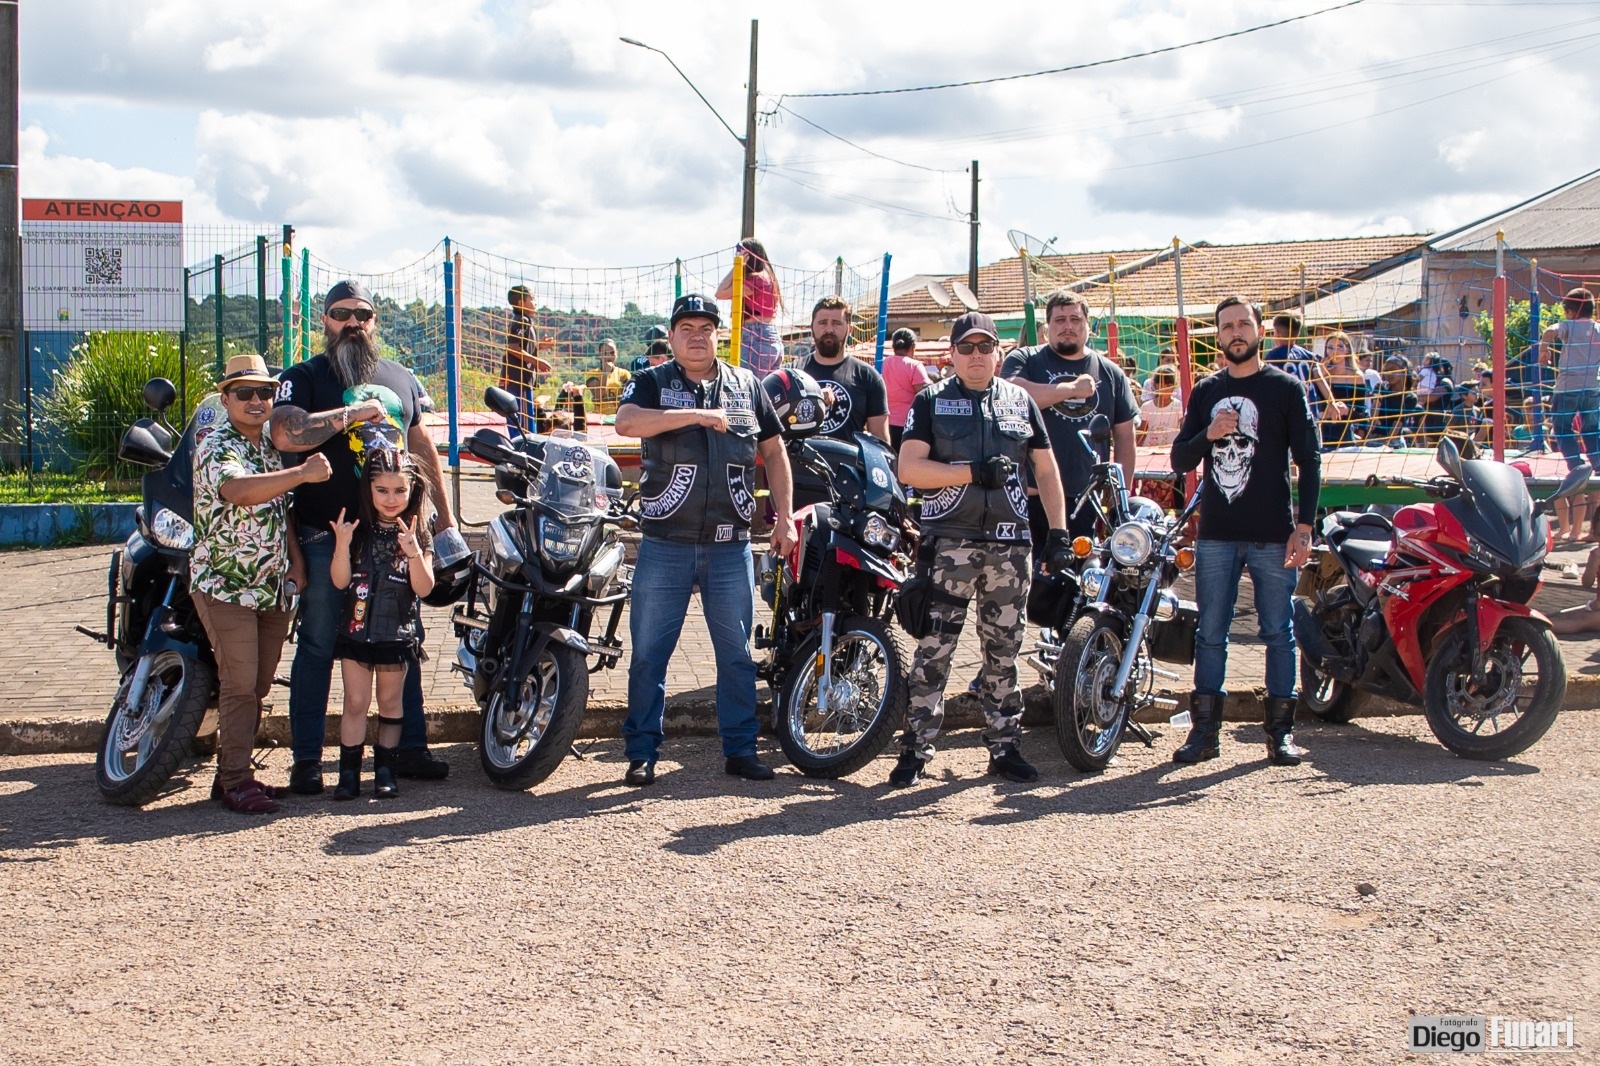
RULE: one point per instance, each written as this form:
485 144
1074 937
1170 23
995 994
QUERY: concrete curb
459 722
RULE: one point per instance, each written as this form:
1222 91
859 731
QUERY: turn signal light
1185 558
1082 546
505 496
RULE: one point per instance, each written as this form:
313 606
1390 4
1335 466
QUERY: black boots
1280 733
383 766
1205 714
349 786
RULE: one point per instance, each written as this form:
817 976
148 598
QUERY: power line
1076 66
877 155
866 201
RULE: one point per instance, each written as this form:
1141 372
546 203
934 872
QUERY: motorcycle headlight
559 542
878 533
170 531
1093 583
1130 544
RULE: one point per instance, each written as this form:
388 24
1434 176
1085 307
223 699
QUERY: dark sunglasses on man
981 347
345 314
253 392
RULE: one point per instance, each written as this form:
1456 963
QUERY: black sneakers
749 767
908 771
1009 764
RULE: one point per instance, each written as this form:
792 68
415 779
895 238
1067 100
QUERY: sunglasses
345 314
981 347
253 392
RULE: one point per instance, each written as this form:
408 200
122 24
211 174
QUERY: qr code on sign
102 266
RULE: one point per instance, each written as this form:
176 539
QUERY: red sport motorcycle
1431 608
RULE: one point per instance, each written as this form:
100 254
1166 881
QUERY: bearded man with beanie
1245 423
338 404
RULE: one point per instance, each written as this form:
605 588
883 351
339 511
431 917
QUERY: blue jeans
1585 404
311 673
664 575
1218 565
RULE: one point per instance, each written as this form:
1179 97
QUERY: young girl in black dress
384 562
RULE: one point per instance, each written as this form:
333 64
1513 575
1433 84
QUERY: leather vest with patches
379 603
968 427
698 485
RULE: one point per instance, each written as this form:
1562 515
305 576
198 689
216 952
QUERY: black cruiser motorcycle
551 574
169 675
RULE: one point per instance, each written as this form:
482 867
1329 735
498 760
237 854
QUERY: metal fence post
305 303
883 312
287 298
261 295
216 294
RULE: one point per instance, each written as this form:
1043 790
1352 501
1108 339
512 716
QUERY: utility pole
748 224
972 258
11 353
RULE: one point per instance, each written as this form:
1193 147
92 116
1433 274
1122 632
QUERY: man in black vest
858 398
702 422
966 445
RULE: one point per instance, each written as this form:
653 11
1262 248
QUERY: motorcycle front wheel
528 726
1328 699
867 699
1089 723
142 747
1524 686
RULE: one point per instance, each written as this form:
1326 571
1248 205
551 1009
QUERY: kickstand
580 755
258 759
1142 733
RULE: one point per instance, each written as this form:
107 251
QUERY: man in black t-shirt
1062 376
860 400
1245 423
341 403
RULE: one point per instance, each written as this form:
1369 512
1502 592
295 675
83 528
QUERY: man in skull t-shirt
1245 422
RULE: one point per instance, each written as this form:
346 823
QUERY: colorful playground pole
450 370
1498 430
677 279
1030 325
1181 341
734 341
305 303
883 313
1532 372
1111 323
289 351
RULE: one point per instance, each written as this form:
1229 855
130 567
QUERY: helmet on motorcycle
452 569
797 398
1051 598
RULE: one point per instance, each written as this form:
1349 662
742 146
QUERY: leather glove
992 472
1058 554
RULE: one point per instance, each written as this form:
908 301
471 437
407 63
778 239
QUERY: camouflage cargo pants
996 575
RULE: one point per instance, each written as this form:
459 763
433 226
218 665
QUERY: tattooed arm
296 430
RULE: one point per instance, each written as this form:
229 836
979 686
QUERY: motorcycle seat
1366 552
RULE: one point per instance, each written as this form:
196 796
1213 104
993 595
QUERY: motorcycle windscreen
576 478
880 488
1496 510
172 487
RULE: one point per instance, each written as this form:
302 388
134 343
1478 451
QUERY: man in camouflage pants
965 444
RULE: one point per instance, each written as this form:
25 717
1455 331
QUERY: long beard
828 346
353 356
1249 353
1067 348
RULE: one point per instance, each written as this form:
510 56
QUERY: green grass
48 487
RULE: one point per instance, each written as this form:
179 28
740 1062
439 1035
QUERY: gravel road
1152 915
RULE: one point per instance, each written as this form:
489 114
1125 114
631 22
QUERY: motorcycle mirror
1449 458
140 446
1574 483
159 394
501 402
492 446
1096 433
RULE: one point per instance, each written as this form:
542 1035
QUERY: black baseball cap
694 305
973 322
347 290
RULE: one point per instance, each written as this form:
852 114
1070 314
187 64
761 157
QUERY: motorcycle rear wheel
1329 699
521 744
1458 716
141 748
870 681
1089 724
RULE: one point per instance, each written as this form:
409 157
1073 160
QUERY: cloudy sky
528 129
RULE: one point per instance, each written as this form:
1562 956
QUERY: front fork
1130 651
141 672
825 680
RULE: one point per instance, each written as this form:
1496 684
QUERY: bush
99 394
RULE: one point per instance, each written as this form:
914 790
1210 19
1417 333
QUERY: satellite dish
1026 242
965 295
940 296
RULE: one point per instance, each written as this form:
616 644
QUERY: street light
748 222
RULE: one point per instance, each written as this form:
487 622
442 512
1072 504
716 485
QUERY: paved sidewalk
50 673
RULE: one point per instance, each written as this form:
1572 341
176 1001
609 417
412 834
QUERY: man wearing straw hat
338 404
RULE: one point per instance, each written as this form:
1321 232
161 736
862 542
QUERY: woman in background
904 376
1349 387
760 345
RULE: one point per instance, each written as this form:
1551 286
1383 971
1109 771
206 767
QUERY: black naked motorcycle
836 664
169 674
552 566
1125 617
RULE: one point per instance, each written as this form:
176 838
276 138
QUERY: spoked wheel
524 738
867 698
1323 696
1524 685
1089 723
142 747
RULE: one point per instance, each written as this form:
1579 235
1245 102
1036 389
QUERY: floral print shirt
241 554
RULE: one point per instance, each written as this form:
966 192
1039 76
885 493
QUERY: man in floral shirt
242 559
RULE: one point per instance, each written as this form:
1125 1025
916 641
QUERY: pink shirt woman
903 377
